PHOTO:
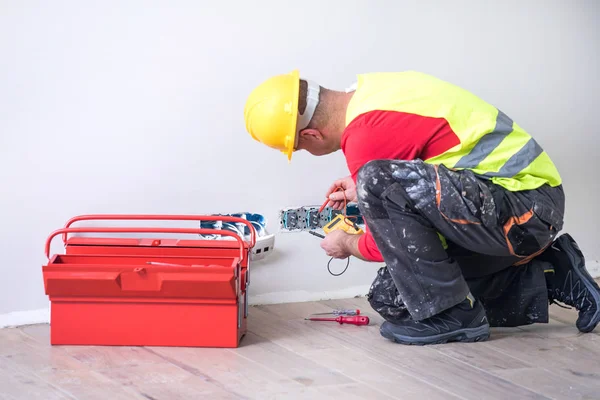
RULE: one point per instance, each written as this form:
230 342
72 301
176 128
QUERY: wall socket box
308 217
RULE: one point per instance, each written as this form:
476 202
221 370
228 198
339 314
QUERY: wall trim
42 316
20 318
299 296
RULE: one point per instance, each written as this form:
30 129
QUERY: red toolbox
148 291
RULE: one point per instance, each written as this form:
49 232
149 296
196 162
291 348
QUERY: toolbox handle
198 231
164 217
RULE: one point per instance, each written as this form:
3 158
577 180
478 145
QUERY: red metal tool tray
148 292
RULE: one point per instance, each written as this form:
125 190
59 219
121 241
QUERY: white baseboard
303 296
20 318
42 316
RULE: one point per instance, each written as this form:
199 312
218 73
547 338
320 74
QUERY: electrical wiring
239 229
234 228
341 273
260 230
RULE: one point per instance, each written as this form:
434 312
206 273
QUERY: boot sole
589 283
467 335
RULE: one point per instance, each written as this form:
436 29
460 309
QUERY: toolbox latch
140 280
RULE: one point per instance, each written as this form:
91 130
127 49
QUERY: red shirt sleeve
378 135
368 248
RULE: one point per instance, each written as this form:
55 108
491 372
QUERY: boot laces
573 294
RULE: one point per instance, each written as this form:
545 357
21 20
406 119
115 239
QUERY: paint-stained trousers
492 236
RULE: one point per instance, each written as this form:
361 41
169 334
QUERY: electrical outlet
353 211
308 217
290 219
302 223
312 219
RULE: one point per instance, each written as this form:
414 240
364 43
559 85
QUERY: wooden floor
285 357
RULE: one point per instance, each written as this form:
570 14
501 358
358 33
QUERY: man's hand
336 197
339 244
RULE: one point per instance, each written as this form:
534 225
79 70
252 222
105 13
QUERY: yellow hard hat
271 111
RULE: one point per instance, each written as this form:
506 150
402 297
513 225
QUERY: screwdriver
354 320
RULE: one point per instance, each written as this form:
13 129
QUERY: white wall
129 106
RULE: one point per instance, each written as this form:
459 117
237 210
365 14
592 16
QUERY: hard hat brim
295 95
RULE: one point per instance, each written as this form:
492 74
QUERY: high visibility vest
490 144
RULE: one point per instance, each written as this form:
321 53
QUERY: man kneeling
460 202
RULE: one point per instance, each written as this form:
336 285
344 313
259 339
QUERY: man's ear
311 134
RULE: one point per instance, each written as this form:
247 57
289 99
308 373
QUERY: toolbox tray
133 276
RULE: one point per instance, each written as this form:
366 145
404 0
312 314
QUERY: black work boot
465 322
570 283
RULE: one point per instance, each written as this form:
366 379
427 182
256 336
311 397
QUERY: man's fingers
344 183
333 190
336 196
336 205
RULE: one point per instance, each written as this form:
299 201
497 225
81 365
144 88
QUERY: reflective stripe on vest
489 142
518 161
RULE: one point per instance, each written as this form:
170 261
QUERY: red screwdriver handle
354 320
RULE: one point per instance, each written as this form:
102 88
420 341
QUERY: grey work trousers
492 236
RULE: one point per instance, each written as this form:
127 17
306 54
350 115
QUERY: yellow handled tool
344 223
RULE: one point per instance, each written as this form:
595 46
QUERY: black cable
331 259
344 270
